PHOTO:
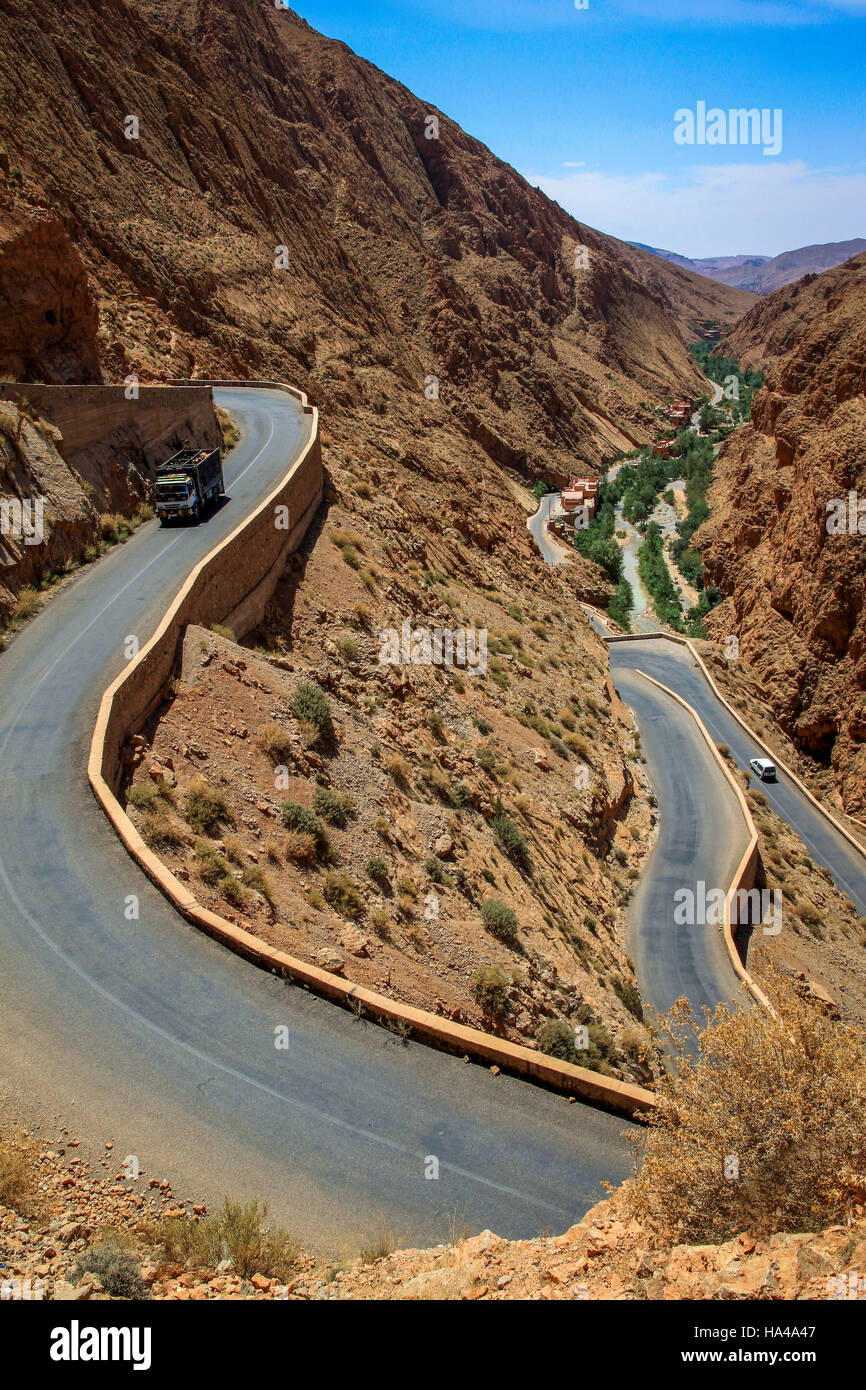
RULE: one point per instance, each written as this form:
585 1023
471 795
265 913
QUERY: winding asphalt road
554 554
148 1034
674 666
702 835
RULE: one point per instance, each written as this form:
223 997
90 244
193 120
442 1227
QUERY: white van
763 768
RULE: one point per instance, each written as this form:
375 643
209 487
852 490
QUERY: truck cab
175 495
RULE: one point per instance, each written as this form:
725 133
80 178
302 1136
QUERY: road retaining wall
230 585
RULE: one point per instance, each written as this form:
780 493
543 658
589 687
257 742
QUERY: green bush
377 868
619 607
500 921
654 572
556 1039
254 877
343 896
435 869
510 839
627 992
211 866
485 756
332 807
458 794
297 817
233 892
144 795
205 808
310 704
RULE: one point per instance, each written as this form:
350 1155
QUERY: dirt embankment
478 832
75 1227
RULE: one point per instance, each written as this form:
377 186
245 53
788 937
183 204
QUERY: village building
581 493
679 412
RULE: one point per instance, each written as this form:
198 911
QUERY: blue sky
582 102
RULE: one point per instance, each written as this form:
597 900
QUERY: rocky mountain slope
699 305
794 591
404 256
282 213
763 274
463 841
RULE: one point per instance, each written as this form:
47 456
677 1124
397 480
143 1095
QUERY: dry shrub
17 1175
159 831
300 847
116 1269
233 848
274 740
26 604
785 1097
238 1232
343 536
399 769
228 429
309 733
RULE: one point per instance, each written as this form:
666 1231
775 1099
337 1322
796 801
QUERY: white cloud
716 210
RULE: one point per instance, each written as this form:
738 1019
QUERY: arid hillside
791 565
698 305
403 257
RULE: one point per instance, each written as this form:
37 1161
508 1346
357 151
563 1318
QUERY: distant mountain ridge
763 274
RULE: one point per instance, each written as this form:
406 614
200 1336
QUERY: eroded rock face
48 316
794 590
31 466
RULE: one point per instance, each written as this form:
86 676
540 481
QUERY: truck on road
187 483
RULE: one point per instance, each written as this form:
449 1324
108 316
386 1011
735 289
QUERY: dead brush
763 1130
